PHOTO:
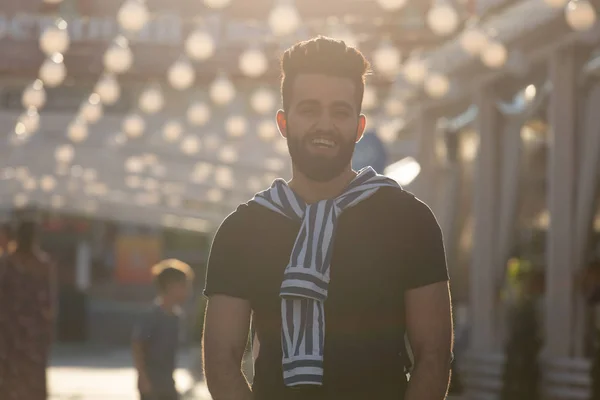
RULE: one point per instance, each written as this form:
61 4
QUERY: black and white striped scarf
306 278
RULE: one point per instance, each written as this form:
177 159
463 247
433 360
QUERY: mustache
322 134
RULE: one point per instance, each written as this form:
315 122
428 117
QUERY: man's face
322 125
178 292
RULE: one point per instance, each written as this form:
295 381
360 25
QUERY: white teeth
325 142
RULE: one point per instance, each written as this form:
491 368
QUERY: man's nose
325 122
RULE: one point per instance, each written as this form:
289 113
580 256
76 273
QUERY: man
156 337
330 311
6 245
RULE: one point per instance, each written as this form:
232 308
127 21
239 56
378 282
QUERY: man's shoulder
396 201
244 215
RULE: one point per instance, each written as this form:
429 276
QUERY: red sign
134 256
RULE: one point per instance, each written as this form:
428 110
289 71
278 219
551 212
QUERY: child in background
156 337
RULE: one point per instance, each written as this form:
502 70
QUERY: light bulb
442 19
199 45
253 63
217 3
151 100
181 74
391 5
580 15
473 41
47 183
190 145
263 100
556 3
494 55
133 15
228 154
91 110
284 19
134 126
77 131
172 131
55 38
34 95
437 85
235 126
118 57
222 91
394 106
415 70
198 113
30 120
64 154
108 89
53 71
267 130
387 58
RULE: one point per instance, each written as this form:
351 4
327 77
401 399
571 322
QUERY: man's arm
225 336
429 329
141 334
140 366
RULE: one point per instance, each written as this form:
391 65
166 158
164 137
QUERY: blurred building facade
510 162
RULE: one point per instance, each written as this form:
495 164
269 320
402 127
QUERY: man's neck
311 191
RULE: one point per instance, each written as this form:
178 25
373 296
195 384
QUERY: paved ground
84 373
96 373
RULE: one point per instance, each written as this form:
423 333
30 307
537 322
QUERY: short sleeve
143 329
426 256
227 272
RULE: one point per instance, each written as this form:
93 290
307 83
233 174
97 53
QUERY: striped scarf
306 277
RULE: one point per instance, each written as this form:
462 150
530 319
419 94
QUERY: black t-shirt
383 246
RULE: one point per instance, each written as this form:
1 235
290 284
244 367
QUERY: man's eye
341 113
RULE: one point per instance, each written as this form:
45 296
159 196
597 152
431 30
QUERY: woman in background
27 296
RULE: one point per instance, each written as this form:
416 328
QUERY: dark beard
316 167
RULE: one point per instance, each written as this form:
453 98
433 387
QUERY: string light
133 15
181 74
442 18
55 38
53 71
580 15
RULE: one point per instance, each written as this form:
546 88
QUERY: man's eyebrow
308 102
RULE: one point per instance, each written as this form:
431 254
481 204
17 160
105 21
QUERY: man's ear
282 123
362 124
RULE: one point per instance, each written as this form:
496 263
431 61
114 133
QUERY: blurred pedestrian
7 245
156 337
27 314
333 267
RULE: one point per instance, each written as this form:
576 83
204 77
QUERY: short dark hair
323 55
171 271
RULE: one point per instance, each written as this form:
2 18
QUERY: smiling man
334 266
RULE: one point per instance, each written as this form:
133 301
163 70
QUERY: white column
561 201
482 298
426 184
587 189
83 266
